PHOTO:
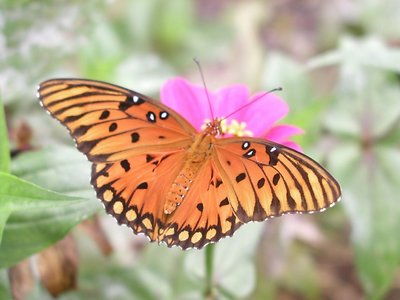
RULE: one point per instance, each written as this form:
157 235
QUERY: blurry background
338 62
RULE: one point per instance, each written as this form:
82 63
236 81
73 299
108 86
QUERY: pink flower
257 120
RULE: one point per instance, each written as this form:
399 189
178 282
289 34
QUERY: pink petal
264 113
187 99
229 99
281 133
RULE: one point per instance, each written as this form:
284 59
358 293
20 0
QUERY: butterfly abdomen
196 156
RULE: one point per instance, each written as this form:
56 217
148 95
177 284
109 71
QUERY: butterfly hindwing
269 179
133 190
110 123
205 215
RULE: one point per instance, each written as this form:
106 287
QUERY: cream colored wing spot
118 207
183 236
147 223
131 215
227 227
100 167
101 180
196 237
170 231
108 195
211 233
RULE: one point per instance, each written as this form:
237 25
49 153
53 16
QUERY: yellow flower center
235 128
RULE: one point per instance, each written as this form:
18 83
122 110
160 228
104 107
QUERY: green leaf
282 71
365 119
4 147
125 282
371 201
4 214
4 286
306 110
370 52
58 168
371 109
169 31
38 217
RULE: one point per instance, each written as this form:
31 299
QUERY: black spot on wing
142 186
163 115
104 115
135 100
125 165
276 178
151 117
113 127
224 202
240 177
135 137
200 207
261 183
273 154
245 145
218 183
250 153
124 106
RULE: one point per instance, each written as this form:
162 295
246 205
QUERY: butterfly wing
139 146
136 144
133 190
267 179
110 123
205 215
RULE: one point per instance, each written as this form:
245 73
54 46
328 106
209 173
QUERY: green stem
209 264
4 148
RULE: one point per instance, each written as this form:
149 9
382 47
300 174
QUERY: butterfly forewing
136 144
269 179
110 123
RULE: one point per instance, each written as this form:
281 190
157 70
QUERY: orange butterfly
157 174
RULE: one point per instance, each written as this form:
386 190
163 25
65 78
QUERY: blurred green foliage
340 74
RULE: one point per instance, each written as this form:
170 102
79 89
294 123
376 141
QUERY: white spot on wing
164 115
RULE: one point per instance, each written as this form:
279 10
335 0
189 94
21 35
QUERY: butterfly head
213 127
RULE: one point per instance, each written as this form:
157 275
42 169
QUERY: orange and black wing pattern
205 216
110 123
268 180
137 146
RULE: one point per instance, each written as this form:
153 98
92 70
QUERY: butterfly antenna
250 103
205 87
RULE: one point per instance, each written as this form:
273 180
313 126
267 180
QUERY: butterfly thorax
199 152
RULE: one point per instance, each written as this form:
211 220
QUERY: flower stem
209 264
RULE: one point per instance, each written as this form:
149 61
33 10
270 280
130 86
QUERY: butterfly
155 173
